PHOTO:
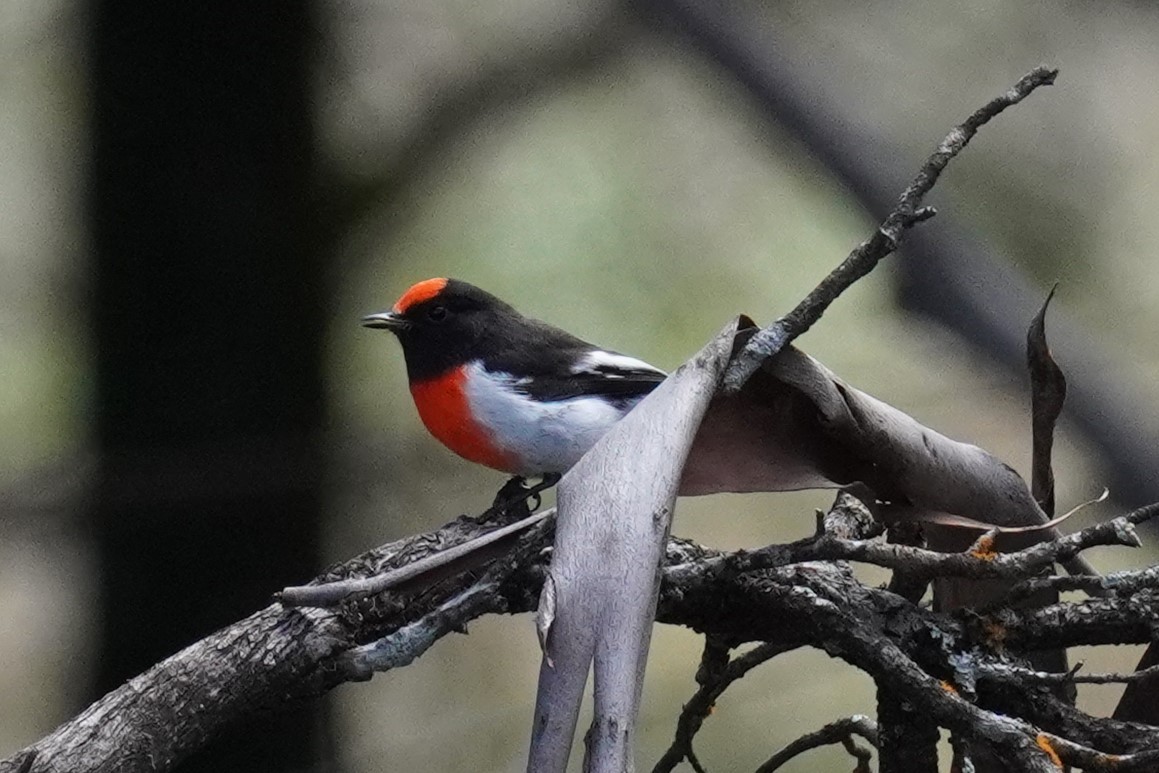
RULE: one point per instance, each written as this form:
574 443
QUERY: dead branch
980 562
954 667
715 674
865 257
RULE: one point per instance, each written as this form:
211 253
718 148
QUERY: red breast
443 406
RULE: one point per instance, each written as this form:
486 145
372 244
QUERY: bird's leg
513 490
548 480
517 500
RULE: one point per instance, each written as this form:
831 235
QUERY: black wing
618 382
552 364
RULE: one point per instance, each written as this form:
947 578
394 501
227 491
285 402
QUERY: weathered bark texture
954 668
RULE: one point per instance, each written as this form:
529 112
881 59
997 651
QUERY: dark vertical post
206 318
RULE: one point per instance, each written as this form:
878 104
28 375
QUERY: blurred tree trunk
207 319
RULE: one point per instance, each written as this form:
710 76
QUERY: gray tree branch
954 674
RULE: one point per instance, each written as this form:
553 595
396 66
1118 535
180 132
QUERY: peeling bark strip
615 510
795 425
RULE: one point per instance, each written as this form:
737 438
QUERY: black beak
385 320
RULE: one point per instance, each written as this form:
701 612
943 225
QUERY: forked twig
865 257
841 731
715 675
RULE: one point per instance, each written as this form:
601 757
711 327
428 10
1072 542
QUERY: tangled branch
957 668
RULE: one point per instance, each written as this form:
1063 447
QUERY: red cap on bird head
423 291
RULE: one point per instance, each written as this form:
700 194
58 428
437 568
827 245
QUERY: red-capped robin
504 390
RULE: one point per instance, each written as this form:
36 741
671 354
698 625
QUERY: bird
504 390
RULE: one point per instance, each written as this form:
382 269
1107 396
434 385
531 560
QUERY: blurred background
199 204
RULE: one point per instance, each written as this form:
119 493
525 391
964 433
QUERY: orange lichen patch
1044 744
983 549
423 291
443 407
951 689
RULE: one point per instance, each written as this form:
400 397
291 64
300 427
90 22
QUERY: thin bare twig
715 674
865 257
1010 672
409 642
841 731
512 514
332 593
1123 582
1095 761
920 563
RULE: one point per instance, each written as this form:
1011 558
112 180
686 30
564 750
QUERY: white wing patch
612 365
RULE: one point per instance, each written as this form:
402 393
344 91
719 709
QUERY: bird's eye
437 313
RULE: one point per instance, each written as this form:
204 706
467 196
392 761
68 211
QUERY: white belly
545 436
